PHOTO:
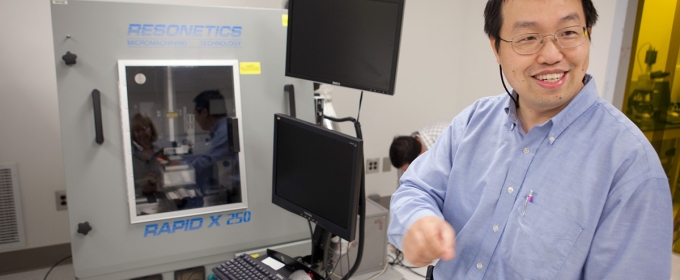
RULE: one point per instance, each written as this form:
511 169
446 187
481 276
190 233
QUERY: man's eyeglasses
568 37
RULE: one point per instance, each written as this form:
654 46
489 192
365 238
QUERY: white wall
445 64
29 117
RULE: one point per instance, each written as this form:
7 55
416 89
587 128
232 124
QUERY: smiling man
547 182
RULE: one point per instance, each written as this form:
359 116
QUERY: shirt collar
218 126
511 110
581 102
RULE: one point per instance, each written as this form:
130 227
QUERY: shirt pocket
537 243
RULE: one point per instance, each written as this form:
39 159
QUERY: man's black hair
404 150
493 18
203 101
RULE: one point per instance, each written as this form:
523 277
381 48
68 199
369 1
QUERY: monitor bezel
395 56
345 233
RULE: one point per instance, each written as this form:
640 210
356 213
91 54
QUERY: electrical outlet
372 165
60 197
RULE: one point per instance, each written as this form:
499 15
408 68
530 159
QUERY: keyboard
245 267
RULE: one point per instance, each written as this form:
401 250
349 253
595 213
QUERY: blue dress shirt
217 153
601 206
219 147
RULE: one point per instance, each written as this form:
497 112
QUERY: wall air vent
11 220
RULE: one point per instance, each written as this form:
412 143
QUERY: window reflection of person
211 115
145 156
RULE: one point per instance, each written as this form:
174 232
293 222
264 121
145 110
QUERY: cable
362 197
379 273
338 263
332 273
414 272
360 99
362 216
398 260
506 88
347 254
311 233
48 272
642 70
347 119
342 272
329 274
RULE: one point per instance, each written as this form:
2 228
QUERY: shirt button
552 139
510 190
495 228
526 150
479 265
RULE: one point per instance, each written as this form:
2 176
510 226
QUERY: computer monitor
350 43
317 174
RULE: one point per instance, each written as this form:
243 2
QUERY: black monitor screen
317 174
352 43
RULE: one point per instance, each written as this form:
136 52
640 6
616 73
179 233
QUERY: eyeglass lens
569 37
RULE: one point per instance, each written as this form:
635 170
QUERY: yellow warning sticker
284 20
250 68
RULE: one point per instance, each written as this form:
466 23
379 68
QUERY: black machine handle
290 90
97 105
233 137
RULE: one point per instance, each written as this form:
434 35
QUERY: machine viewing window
317 174
181 127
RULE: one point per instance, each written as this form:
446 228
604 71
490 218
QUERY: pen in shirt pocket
530 198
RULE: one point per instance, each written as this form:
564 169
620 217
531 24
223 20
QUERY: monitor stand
321 244
291 264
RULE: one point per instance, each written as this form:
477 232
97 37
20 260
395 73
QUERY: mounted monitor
317 174
350 43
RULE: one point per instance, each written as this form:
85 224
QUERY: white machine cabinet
157 183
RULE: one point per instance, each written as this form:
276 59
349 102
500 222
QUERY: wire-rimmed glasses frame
566 38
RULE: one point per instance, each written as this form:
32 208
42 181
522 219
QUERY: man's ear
203 112
492 42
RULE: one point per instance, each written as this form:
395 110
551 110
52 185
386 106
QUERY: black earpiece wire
500 68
